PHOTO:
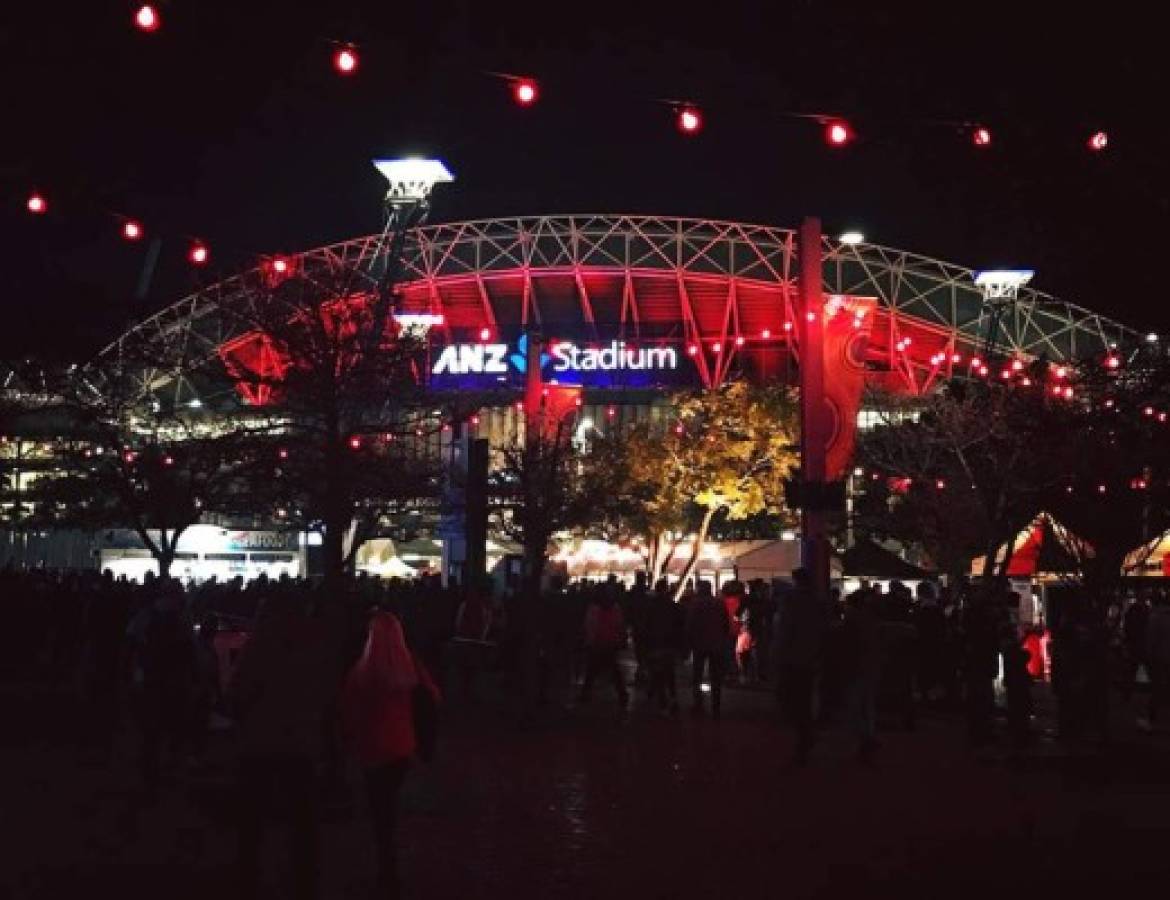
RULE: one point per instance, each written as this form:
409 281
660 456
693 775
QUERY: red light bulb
689 120
131 230
37 204
198 254
1098 141
739 341
524 91
693 349
345 60
838 133
147 19
355 443
485 334
280 265
766 333
981 137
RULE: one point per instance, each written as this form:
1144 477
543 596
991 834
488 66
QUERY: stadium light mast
1001 291
406 205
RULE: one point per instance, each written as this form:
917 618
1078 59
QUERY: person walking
800 634
605 635
663 638
381 716
288 673
709 635
861 659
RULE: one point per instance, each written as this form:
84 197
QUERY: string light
739 341
345 60
37 204
981 136
131 230
692 349
147 18
1098 141
198 254
838 133
355 443
690 120
766 334
525 91
485 334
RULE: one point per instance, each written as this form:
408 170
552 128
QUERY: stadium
634 307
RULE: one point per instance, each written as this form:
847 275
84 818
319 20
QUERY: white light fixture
418 320
1002 283
412 179
851 238
1152 337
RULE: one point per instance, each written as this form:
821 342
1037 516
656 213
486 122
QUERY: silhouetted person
287 676
861 656
800 633
1158 659
1134 626
164 675
709 636
664 637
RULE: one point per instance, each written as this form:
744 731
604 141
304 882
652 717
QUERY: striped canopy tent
1150 560
1043 548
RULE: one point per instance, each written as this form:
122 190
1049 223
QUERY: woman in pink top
378 714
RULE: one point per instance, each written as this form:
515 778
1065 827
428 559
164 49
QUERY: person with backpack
388 705
605 635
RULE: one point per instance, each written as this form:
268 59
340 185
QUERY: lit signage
563 358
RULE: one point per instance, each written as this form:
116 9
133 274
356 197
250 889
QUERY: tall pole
815 418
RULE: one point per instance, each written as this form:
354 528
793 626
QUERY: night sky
230 124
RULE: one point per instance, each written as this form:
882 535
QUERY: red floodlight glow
198 254
485 334
692 349
766 333
981 136
1098 141
689 120
838 133
345 60
524 91
280 265
1113 362
787 326
475 420
717 347
611 412
355 443
37 204
1017 365
739 341
131 230
147 19
956 358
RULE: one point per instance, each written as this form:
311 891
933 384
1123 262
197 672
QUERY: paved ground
585 802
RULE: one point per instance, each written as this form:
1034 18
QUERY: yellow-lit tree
726 450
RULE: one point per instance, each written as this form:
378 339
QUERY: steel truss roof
473 258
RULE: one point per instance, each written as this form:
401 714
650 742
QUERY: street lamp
1001 290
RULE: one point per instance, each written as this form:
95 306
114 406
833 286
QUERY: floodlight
412 179
1002 283
851 238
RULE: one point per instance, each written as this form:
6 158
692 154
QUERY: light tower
407 203
1001 290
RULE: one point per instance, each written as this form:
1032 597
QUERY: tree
339 388
1114 490
727 451
961 471
122 456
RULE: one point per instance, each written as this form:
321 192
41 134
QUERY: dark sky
230 124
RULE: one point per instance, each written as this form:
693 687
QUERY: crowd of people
302 671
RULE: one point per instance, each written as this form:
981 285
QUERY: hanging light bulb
147 18
1098 141
838 133
525 91
690 120
131 230
198 254
37 204
345 60
981 136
